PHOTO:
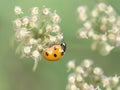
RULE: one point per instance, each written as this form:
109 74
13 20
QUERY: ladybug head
63 44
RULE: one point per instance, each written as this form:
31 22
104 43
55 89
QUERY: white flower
104 20
34 18
18 10
111 36
115 80
32 41
83 17
59 36
73 87
27 49
45 11
90 33
87 63
55 18
52 38
35 54
35 10
82 34
79 69
103 37
17 23
81 9
71 65
23 32
71 79
105 82
40 47
56 28
110 10
79 78
85 86
111 19
95 13
103 27
101 6
97 71
40 31
87 25
25 21
33 25
48 28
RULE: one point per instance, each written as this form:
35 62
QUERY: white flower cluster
37 31
88 77
102 25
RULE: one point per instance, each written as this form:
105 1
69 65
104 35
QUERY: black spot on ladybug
46 53
55 55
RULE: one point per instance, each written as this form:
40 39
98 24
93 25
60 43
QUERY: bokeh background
16 73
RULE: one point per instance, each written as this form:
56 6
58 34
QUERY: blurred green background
16 73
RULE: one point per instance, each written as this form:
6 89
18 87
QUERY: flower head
37 31
101 25
90 77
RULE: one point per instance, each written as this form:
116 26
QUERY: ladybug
55 52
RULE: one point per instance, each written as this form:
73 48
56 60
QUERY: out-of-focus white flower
18 10
60 37
81 9
17 23
56 18
35 10
87 63
87 25
79 69
71 79
82 33
101 6
94 13
34 18
27 49
105 82
25 21
97 71
56 28
45 11
48 27
71 65
91 78
52 38
35 54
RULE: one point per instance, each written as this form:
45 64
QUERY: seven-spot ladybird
55 52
